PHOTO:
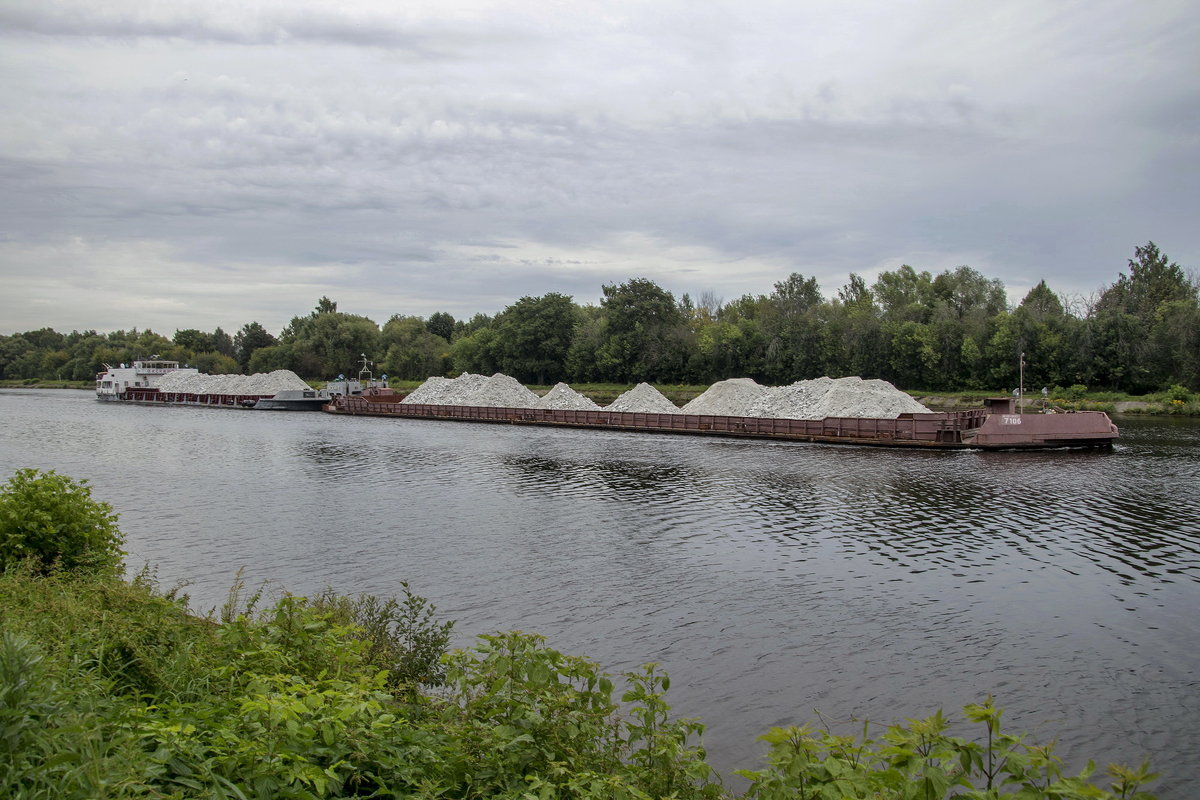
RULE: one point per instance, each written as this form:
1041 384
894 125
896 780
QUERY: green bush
402 637
1075 392
53 520
920 761
1178 394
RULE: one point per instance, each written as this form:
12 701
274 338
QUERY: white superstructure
113 383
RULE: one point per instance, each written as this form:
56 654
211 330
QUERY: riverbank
111 688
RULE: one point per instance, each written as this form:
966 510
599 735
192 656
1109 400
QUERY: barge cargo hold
997 426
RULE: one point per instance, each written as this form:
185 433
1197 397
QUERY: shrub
53 520
1075 392
1178 394
401 636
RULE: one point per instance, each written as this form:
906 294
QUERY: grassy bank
111 688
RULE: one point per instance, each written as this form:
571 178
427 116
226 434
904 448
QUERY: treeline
954 330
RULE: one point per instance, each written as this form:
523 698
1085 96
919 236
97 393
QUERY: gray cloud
242 161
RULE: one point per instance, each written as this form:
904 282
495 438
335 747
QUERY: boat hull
957 430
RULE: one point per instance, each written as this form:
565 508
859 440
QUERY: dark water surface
771 580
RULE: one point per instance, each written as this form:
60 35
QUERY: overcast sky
204 163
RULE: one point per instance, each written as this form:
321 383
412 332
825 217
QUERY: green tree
411 352
194 340
54 521
533 337
223 343
271 358
475 348
441 324
905 294
912 354
1041 331
251 337
1175 343
794 324
856 331
214 363
1128 312
642 332
328 342
589 337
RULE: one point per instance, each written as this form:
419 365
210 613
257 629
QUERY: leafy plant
400 636
1178 394
921 761
1075 391
54 521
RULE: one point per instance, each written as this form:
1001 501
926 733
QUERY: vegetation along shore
110 687
1132 341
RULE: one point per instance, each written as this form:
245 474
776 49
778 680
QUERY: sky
208 163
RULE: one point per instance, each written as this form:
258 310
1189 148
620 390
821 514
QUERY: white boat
115 382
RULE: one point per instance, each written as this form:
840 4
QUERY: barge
996 426
139 383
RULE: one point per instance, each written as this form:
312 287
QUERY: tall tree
441 324
905 294
1127 314
534 336
251 337
327 342
411 352
642 332
795 329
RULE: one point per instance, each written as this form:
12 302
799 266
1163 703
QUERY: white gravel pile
843 397
564 398
736 397
265 383
469 389
644 399
729 398
430 392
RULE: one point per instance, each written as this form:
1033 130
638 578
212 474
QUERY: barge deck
994 427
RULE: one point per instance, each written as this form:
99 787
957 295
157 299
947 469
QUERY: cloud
456 156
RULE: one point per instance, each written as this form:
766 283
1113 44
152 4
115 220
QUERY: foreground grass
112 689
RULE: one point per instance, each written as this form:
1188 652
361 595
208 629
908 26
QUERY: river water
773 581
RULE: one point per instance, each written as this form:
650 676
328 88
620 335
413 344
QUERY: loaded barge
138 383
996 426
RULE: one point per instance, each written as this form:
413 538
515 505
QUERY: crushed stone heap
728 398
563 398
264 383
737 397
469 389
430 392
827 397
644 399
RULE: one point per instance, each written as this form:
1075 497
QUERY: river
773 581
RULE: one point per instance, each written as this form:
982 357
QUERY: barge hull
159 398
957 430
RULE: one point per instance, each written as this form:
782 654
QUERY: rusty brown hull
981 429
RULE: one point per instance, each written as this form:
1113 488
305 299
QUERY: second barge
996 426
